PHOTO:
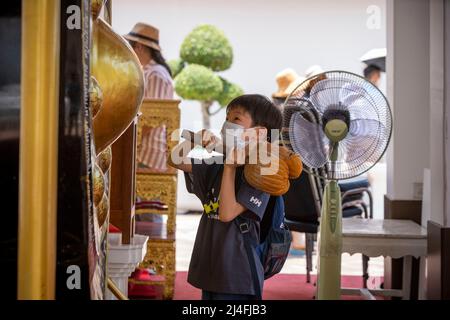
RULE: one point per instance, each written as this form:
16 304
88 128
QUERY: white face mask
232 136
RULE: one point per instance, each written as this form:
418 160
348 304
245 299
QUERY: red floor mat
279 287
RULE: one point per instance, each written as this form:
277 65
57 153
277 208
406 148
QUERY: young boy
219 263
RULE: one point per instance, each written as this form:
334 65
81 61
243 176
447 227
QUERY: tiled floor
187 229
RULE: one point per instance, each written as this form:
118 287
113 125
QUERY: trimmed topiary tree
208 46
176 65
205 50
229 92
197 82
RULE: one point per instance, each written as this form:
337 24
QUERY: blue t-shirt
219 262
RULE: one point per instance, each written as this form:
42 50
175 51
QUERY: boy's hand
209 140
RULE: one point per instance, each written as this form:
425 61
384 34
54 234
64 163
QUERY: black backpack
274 244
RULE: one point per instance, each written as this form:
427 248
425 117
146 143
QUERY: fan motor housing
336 122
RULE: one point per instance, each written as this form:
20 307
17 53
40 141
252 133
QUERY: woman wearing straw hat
144 39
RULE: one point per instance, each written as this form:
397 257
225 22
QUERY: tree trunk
205 113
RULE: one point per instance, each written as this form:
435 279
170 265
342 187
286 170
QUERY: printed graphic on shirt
211 206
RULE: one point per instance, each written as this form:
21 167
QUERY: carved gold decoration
104 159
99 184
163 188
154 113
119 74
159 186
103 210
96 7
95 97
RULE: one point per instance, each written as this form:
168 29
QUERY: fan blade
364 142
297 104
308 140
327 92
366 127
360 100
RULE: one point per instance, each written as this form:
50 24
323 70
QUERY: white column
436 138
408 93
447 112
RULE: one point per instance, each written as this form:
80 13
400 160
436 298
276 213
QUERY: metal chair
302 213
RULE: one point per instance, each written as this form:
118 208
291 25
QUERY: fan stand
336 103
330 241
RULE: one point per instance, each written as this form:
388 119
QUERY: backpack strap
278 213
244 228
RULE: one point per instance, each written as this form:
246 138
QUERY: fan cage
370 115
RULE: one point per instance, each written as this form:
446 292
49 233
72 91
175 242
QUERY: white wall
408 86
267 36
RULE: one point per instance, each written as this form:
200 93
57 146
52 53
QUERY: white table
388 238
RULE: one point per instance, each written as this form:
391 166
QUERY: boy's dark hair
370 69
264 113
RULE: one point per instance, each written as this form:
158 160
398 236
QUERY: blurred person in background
152 155
144 39
373 74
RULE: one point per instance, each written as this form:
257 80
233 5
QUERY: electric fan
340 124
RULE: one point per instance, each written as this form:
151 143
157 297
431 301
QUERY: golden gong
104 159
103 210
95 97
96 7
119 74
99 184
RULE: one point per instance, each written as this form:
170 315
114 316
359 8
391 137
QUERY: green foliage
208 46
204 50
176 65
196 82
229 92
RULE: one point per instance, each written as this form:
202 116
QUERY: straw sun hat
287 80
144 34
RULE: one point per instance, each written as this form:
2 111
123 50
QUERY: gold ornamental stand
161 186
